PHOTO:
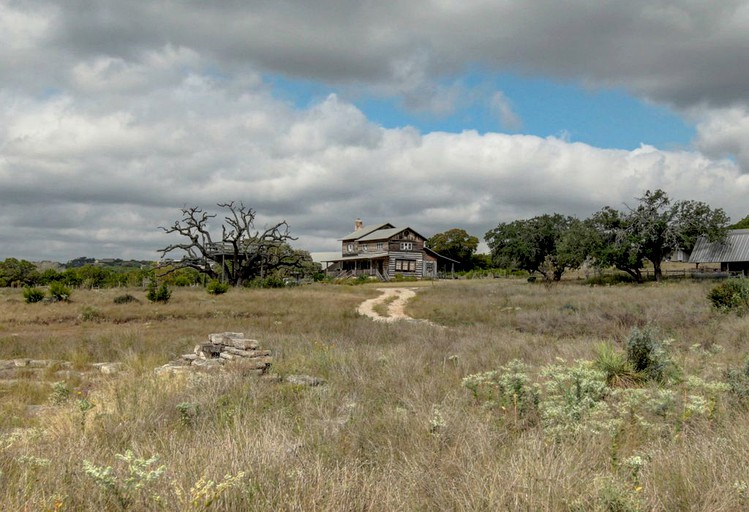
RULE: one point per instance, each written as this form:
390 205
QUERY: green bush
58 292
738 381
158 294
125 299
32 294
730 295
615 366
90 314
216 287
609 279
648 356
267 282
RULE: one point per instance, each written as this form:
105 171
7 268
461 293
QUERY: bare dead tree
242 252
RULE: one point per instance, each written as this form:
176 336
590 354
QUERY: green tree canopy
14 272
539 244
456 244
651 230
742 224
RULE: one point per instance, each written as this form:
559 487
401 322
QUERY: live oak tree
456 244
238 252
652 230
537 244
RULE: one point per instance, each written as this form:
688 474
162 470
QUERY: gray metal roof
356 235
381 234
384 234
735 248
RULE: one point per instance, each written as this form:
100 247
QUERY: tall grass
393 428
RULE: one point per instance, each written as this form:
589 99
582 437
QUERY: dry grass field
396 426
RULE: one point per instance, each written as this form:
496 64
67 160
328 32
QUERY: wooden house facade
384 251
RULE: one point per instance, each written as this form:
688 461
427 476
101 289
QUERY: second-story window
379 246
407 246
350 248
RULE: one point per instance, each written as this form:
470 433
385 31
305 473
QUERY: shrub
58 292
160 294
647 354
216 287
730 295
615 366
610 279
32 294
125 299
738 381
268 282
90 314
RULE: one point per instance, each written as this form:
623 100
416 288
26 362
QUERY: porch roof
359 257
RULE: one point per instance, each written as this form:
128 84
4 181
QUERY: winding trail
396 299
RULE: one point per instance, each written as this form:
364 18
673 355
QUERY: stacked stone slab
222 350
46 369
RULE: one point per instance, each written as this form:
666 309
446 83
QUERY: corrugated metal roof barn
734 249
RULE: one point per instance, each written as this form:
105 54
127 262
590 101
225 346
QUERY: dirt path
395 299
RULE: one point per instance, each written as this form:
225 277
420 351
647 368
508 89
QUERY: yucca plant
614 364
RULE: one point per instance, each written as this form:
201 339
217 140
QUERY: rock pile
222 349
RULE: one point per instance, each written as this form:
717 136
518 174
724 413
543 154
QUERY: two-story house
384 251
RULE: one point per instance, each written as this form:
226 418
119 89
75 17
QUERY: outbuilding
732 253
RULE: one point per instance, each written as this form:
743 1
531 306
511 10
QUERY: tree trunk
657 271
634 273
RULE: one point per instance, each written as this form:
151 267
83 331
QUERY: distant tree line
19 273
651 230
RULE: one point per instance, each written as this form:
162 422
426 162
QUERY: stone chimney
358 224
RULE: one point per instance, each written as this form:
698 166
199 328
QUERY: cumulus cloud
113 115
723 133
76 180
681 53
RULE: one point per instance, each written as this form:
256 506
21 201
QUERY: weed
437 423
131 488
60 393
188 413
573 399
508 389
204 493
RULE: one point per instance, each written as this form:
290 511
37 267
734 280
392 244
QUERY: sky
433 114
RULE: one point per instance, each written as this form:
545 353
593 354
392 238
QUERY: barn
732 254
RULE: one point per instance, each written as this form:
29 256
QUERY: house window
405 265
379 246
407 246
364 247
350 248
